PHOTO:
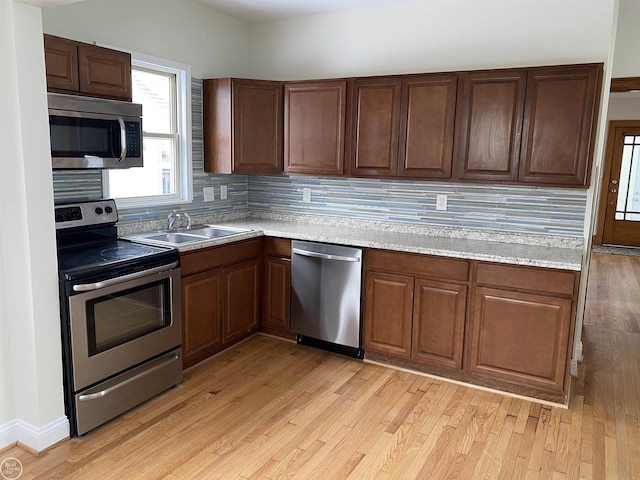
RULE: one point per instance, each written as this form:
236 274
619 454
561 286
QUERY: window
164 90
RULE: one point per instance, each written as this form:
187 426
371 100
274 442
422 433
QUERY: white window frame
184 176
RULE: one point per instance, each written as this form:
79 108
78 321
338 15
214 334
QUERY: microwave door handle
123 139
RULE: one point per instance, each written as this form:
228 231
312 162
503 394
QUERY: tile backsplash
504 208
496 207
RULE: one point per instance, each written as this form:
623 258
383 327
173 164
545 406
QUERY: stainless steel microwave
94 132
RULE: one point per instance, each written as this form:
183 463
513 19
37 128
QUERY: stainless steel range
121 323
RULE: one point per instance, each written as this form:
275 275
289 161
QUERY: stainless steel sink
197 233
171 237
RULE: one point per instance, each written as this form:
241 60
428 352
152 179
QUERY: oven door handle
87 287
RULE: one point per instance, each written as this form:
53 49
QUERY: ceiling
259 10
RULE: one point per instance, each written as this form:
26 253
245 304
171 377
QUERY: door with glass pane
622 194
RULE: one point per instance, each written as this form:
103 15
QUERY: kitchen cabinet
314 127
242 123
427 127
489 114
277 287
522 325
375 125
402 126
84 69
560 121
415 307
533 125
221 289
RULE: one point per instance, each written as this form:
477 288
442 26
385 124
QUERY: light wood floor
271 409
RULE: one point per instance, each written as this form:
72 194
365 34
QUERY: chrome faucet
178 221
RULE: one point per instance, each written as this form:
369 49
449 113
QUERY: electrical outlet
441 202
223 192
306 195
209 194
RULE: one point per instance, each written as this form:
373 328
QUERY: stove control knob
108 209
98 210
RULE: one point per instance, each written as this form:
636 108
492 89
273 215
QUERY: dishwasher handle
324 256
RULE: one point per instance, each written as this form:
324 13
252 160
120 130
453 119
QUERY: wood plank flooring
271 409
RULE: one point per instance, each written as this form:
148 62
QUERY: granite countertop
511 248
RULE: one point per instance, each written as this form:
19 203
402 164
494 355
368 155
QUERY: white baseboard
579 357
35 438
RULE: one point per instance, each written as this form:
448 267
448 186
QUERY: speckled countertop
512 248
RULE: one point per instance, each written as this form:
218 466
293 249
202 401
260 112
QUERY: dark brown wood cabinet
411 311
374 106
532 125
522 325
221 301
489 124
277 287
402 126
427 126
201 315
314 127
242 124
388 313
560 120
85 69
439 314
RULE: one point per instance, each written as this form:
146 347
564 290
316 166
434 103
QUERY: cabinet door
241 308
61 61
438 323
559 125
426 134
277 286
388 313
375 121
314 126
257 127
521 337
104 72
201 316
489 116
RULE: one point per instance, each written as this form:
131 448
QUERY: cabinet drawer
417 264
527 278
197 261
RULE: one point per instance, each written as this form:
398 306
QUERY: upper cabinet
559 125
242 122
402 126
374 124
531 126
489 116
426 128
85 69
314 126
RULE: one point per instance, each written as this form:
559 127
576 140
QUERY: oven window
116 319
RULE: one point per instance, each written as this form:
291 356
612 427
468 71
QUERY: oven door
122 322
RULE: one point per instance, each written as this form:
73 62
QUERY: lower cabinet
277 286
503 326
522 325
419 316
221 298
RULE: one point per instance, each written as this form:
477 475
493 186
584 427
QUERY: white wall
29 312
433 36
626 60
185 31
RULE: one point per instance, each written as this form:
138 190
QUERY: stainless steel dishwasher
326 283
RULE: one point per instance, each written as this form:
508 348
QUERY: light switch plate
441 202
223 192
306 195
209 194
